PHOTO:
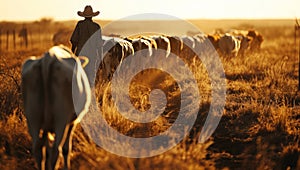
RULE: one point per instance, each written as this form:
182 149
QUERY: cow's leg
60 137
37 148
106 68
48 143
34 127
67 147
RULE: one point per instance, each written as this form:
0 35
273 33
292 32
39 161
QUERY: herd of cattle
231 44
237 42
49 83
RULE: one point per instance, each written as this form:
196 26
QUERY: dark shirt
83 31
87 41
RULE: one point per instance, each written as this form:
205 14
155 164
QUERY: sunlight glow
188 9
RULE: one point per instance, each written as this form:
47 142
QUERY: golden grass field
260 127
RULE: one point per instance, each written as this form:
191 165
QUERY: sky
27 10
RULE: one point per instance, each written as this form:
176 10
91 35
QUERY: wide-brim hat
88 12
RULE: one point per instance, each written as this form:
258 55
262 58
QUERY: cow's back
59 90
33 93
50 85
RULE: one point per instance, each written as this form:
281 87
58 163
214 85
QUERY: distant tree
46 20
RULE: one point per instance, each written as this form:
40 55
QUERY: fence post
7 39
297 28
26 38
0 40
295 40
30 38
14 38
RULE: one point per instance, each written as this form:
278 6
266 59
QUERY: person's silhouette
86 41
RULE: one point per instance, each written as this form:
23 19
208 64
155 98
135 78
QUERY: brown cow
163 43
176 44
214 39
257 40
229 45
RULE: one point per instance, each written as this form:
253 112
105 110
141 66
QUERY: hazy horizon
189 19
116 9
109 20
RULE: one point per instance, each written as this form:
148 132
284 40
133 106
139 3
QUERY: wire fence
14 39
297 48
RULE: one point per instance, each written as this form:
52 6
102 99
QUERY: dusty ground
259 129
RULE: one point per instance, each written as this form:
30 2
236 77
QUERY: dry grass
259 130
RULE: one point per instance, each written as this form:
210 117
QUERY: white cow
187 53
176 44
163 43
115 51
56 95
150 40
229 45
202 44
245 40
142 45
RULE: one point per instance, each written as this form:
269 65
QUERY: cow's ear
84 60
